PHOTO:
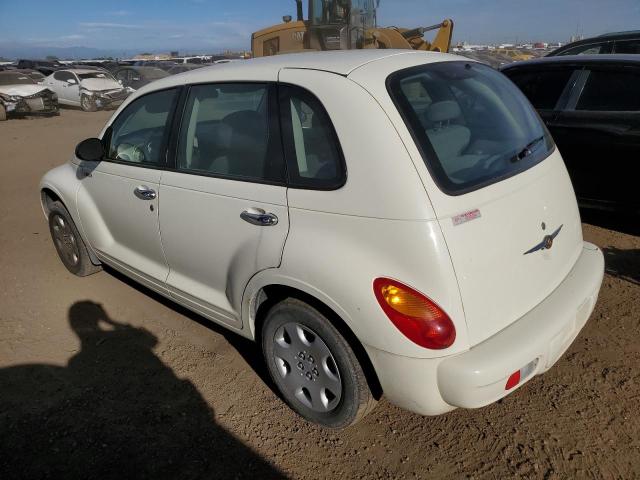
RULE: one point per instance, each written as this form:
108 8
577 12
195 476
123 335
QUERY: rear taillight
416 316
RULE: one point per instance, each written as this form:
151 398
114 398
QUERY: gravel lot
100 378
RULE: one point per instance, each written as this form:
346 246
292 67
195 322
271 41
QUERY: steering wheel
130 153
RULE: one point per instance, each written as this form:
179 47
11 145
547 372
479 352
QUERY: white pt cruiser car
380 222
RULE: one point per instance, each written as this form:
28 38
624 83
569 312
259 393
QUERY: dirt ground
103 379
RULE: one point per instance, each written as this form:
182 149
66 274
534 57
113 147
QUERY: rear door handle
257 216
144 193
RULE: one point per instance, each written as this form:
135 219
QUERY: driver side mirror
90 150
72 81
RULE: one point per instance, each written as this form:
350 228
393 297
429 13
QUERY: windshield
97 74
15 79
330 11
471 124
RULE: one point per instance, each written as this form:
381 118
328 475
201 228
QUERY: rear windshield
471 124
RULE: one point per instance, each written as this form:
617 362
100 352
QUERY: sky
215 25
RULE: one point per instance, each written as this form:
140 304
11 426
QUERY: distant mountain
19 50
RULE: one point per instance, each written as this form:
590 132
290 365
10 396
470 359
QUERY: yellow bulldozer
344 25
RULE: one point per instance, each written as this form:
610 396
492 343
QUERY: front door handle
144 193
257 216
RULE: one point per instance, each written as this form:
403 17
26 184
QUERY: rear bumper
478 377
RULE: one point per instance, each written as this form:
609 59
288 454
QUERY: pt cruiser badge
546 243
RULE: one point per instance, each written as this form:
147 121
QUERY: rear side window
590 49
230 130
314 157
471 124
628 46
608 90
542 88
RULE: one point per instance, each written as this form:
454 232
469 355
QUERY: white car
21 95
89 89
379 221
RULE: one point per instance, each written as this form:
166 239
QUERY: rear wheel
87 103
69 245
313 366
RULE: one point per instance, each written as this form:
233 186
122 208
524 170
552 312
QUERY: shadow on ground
115 411
623 264
248 350
619 222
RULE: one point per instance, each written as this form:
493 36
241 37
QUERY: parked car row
27 91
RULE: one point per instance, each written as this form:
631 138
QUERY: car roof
81 70
604 59
628 33
604 38
342 62
141 68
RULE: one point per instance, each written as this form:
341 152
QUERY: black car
591 106
45 67
618 43
183 67
137 77
161 64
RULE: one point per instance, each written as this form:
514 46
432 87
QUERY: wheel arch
48 195
262 297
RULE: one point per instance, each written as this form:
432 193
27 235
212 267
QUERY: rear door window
611 90
628 46
542 88
471 124
590 49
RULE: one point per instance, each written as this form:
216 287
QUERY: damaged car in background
88 89
20 95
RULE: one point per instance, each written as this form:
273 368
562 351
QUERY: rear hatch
503 264
502 194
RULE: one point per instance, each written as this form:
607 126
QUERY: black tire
355 399
68 242
87 103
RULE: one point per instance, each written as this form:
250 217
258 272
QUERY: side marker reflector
513 380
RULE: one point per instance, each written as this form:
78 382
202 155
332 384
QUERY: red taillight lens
416 316
513 380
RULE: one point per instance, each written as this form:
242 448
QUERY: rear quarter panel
379 224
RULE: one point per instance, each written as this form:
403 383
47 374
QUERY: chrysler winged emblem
546 243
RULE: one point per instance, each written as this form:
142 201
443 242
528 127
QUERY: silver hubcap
307 367
65 240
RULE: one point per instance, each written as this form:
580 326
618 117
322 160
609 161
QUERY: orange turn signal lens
418 318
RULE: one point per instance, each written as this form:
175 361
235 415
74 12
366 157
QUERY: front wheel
313 366
69 245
